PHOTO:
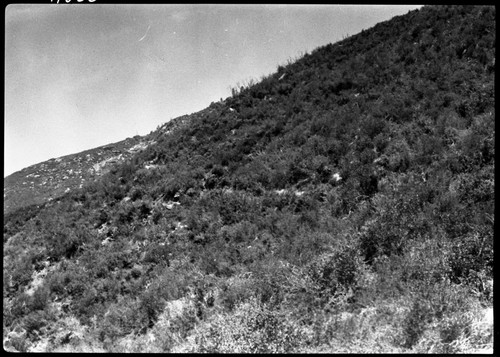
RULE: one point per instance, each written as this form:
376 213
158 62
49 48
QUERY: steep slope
344 203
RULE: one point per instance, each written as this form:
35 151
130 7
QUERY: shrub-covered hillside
344 203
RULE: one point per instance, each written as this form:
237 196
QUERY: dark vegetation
361 175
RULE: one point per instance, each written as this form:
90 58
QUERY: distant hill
45 181
40 183
344 203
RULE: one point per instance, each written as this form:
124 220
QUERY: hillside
344 204
43 182
40 183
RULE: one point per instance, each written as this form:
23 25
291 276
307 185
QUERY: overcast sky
81 76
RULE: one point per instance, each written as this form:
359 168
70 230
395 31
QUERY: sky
82 76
